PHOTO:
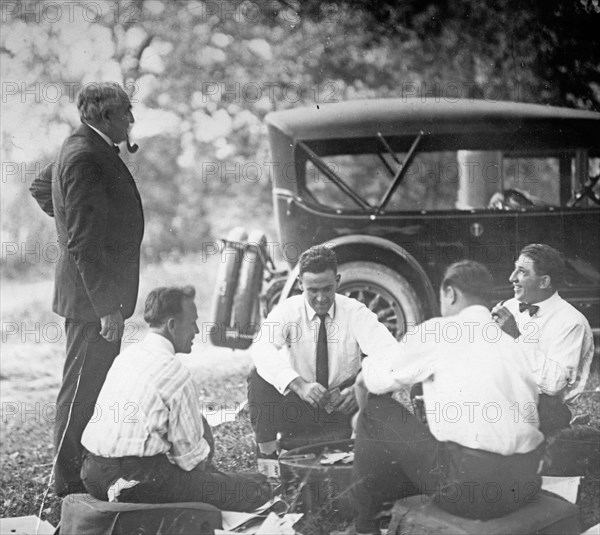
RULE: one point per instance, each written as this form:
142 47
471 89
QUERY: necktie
532 309
116 149
322 357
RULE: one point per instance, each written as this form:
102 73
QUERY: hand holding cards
335 398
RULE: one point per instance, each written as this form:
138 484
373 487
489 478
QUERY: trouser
397 456
553 413
271 412
160 481
89 357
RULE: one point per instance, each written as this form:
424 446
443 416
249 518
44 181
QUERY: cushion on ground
83 514
549 515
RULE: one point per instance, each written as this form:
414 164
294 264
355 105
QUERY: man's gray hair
95 99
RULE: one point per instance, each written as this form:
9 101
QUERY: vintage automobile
401 188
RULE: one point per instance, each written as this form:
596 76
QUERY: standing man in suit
99 221
562 335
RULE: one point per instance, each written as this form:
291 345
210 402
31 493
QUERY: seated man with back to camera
148 441
560 333
307 358
480 452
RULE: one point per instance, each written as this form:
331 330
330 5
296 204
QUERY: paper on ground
216 414
25 525
337 457
566 487
234 519
269 468
277 505
273 525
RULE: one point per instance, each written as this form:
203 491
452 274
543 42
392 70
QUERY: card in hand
334 396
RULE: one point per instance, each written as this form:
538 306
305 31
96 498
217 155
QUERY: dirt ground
32 358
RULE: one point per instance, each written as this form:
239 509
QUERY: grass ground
32 358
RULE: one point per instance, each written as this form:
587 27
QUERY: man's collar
101 134
310 312
546 305
474 310
158 341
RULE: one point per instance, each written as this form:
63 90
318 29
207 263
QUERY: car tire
383 291
246 306
225 286
273 293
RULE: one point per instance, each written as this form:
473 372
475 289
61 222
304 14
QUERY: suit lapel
111 156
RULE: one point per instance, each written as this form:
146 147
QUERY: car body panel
436 238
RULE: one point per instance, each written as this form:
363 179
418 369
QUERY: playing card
334 396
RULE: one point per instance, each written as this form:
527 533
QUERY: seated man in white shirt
480 451
307 357
147 441
561 334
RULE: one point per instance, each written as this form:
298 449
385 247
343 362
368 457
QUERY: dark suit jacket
100 223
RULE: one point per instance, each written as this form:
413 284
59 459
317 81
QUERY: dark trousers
396 456
89 357
271 412
163 482
553 413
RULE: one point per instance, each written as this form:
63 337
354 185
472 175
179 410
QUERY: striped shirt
149 405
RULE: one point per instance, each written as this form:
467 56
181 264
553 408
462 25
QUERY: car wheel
245 314
384 291
273 293
225 285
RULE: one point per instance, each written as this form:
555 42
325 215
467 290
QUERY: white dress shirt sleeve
371 335
410 361
558 368
270 353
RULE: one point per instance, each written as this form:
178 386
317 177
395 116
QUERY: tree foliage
204 75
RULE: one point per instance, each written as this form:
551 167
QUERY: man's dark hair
471 278
165 302
546 261
317 259
95 99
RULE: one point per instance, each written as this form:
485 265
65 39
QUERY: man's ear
299 279
451 294
338 278
545 282
171 324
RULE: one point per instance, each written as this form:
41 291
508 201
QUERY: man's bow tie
531 308
116 149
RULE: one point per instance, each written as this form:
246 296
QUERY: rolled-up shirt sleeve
186 430
270 353
557 369
550 376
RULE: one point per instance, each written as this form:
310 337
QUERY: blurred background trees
204 74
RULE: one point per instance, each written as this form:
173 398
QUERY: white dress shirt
477 386
286 346
148 405
565 344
